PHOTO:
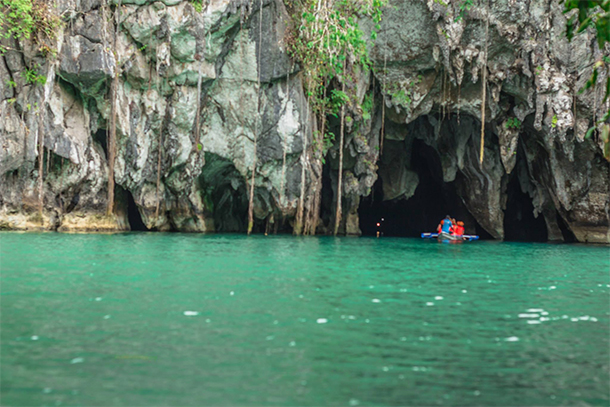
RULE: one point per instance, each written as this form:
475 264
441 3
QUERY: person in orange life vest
458 230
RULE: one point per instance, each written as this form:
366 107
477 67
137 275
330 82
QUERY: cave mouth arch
136 224
520 224
432 200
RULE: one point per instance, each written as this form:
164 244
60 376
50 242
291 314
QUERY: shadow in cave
432 201
519 221
133 215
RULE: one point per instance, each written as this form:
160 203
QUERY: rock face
197 90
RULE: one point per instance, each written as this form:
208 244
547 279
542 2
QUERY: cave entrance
225 194
432 201
133 215
519 221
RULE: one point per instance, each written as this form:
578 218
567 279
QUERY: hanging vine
328 44
484 89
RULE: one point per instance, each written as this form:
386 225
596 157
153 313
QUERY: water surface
177 319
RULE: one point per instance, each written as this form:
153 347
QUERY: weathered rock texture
190 108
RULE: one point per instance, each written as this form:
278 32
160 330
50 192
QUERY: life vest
446 226
458 230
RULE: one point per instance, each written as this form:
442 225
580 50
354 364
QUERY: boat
449 237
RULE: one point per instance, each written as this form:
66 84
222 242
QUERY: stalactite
283 178
48 161
111 133
484 85
254 160
317 197
41 156
459 100
298 223
385 62
340 175
159 154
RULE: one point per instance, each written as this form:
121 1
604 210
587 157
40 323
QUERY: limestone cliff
190 110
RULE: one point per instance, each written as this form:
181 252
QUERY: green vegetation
513 123
330 47
197 4
31 76
594 14
465 6
29 19
554 121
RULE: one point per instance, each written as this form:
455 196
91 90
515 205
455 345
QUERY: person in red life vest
458 230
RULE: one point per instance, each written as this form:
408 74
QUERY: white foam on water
535 310
354 402
377 300
552 287
367 320
77 360
322 320
191 313
438 297
98 298
270 337
528 315
429 304
584 318
232 293
464 291
564 317
533 321
292 343
403 290
458 303
574 319
208 320
404 338
47 390
544 313
34 337
351 317
371 286
477 393
542 319
385 369
511 339
593 319
276 322
106 316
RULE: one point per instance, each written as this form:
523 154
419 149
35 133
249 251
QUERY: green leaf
589 133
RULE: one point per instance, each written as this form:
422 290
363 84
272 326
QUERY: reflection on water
175 319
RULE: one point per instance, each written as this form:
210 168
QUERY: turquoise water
183 320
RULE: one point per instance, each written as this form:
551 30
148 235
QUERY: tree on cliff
594 13
330 48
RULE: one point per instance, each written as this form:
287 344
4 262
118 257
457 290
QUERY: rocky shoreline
190 110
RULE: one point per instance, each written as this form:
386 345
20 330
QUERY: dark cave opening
432 201
133 215
226 195
100 137
519 221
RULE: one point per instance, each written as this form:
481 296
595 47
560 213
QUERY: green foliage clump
512 123
465 6
198 5
594 14
31 76
367 107
328 43
29 19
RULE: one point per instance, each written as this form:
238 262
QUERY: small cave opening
133 215
520 224
100 137
225 195
432 200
